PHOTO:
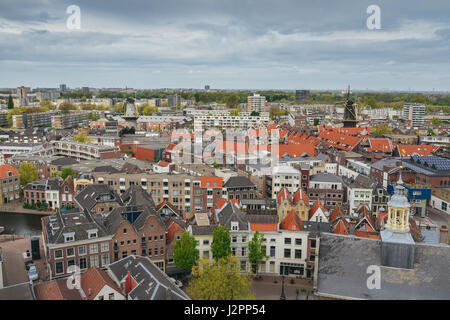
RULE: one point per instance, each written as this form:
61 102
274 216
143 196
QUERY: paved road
15 263
266 289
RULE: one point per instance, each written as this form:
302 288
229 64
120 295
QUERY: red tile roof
317 205
211 182
339 141
337 213
4 171
293 150
408 150
381 145
96 279
300 195
221 203
340 227
292 222
263 226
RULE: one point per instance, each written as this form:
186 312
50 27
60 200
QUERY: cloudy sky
279 44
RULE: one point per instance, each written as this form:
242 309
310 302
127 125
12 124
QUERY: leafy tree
67 172
47 105
65 107
372 102
256 251
381 130
10 102
316 121
431 132
82 137
232 100
28 173
419 99
235 112
436 121
221 244
185 253
254 114
221 280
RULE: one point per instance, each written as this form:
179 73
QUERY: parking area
15 262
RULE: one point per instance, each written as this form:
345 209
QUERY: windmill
350 111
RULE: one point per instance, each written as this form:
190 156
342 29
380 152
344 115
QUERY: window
58 254
444 206
313 243
70 263
298 242
59 268
243 252
244 239
161 251
287 240
83 263
105 246
243 265
111 296
205 242
233 250
234 226
161 237
287 253
149 252
272 251
134 241
70 252
298 254
124 231
234 239
128 242
206 254
94 261
81 250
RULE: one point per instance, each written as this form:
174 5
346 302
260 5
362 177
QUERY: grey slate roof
343 262
153 284
231 213
63 161
70 221
203 230
137 196
325 177
21 291
238 181
263 218
89 196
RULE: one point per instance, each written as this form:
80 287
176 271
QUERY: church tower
398 209
397 244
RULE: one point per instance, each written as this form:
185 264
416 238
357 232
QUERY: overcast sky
279 44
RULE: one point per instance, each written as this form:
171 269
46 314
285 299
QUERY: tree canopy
67 172
82 137
185 253
28 173
221 280
256 250
221 244
380 130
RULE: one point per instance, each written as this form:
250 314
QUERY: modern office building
302 95
256 103
414 113
174 100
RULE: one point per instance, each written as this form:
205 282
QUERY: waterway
20 223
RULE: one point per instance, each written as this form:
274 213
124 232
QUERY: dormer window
234 226
93 233
69 237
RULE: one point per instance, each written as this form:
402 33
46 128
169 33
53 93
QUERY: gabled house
318 213
98 198
140 279
286 202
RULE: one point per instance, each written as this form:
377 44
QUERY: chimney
443 234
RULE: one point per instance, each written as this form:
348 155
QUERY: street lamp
282 296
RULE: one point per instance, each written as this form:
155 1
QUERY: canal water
20 223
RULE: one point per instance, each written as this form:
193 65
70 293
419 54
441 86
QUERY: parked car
178 283
33 273
28 264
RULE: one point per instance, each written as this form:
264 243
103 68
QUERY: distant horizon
233 89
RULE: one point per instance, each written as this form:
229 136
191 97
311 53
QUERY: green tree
235 112
82 137
46 105
436 121
67 172
10 102
380 130
221 280
65 107
316 121
256 251
221 244
419 99
431 132
372 102
185 253
232 100
28 173
254 114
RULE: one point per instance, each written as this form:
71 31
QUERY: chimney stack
443 234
